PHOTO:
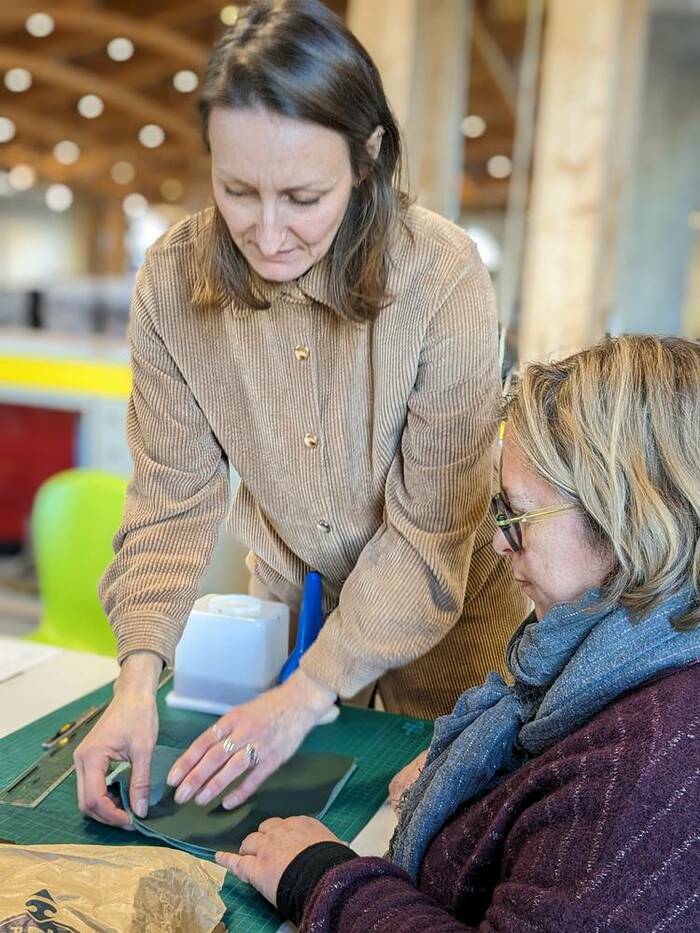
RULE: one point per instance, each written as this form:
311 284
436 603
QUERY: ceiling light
59 197
151 135
172 189
185 81
120 50
7 129
90 106
229 14
473 126
22 177
135 205
123 173
40 25
66 152
499 166
18 80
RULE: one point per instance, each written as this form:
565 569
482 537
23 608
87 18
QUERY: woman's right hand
126 731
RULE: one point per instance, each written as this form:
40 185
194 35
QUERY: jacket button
302 353
311 440
323 526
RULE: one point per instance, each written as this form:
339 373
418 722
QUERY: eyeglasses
510 523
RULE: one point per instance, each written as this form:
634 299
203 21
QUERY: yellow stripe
70 377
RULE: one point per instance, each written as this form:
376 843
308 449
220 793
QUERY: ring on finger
228 745
253 756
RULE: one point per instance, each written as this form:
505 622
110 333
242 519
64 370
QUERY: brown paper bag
107 889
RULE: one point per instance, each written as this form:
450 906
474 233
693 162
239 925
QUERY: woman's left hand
264 855
407 776
254 738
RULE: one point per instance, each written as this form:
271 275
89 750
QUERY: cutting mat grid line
381 743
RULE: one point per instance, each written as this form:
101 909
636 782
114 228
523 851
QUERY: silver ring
228 745
253 756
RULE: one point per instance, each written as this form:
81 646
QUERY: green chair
74 518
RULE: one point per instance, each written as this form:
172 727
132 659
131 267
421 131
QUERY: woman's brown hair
296 58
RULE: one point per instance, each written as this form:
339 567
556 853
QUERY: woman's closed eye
303 202
296 201
238 194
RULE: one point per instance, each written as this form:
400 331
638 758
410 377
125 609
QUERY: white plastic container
232 649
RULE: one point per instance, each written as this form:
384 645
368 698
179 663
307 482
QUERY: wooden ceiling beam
82 82
496 62
48 129
167 158
171 18
479 195
108 25
486 146
50 172
186 13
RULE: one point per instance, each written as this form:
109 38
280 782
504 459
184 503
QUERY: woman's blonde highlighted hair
616 429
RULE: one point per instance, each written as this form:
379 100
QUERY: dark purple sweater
600 833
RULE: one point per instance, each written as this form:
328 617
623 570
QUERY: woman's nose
500 544
270 234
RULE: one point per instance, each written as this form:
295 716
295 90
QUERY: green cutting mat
381 743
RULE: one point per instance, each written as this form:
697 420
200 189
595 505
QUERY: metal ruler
37 781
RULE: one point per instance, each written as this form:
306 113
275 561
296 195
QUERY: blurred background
564 135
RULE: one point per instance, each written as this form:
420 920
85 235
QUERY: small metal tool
37 781
68 728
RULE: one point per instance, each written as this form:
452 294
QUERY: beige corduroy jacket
364 451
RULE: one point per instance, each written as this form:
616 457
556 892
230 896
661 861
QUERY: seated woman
569 800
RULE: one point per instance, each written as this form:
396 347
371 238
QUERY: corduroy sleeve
176 499
408 586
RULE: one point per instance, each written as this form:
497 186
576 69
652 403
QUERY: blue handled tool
310 622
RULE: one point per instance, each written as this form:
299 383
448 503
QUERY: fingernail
174 777
183 795
229 804
203 798
141 808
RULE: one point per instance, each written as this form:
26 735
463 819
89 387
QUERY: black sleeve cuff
304 872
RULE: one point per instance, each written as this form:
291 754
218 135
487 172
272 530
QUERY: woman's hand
264 855
126 731
256 737
403 780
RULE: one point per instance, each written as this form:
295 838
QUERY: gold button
311 440
324 526
302 353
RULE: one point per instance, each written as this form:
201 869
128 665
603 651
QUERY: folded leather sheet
306 785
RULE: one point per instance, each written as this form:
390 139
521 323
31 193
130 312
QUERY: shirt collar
312 285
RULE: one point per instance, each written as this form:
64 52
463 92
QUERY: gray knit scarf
566 668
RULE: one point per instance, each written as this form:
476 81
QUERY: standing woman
339 350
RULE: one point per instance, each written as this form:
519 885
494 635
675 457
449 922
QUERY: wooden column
421 48
591 77
388 32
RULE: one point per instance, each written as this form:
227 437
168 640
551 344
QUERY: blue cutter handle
310 622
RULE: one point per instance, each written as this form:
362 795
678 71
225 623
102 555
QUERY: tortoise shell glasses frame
509 521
